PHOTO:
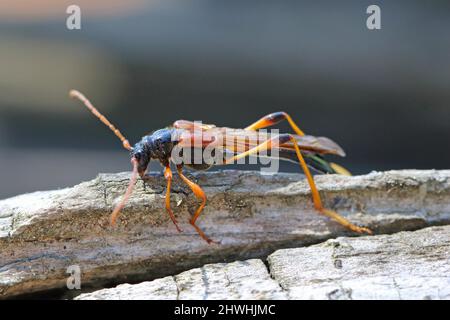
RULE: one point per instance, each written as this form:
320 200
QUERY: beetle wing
239 140
195 138
321 145
191 125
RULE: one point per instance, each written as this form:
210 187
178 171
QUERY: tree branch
43 233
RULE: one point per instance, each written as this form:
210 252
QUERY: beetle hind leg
274 118
280 140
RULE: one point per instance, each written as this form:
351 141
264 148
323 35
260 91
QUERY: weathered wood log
43 233
237 280
405 265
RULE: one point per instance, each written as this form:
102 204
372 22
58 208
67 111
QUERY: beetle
232 145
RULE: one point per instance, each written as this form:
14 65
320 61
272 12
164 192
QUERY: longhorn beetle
234 144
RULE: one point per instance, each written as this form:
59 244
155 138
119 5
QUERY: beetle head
142 154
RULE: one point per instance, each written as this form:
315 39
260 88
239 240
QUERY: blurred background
382 95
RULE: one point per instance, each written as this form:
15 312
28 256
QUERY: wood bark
252 215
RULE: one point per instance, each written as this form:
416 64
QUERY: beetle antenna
78 95
127 194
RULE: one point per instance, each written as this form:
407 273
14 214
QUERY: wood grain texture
252 215
403 266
